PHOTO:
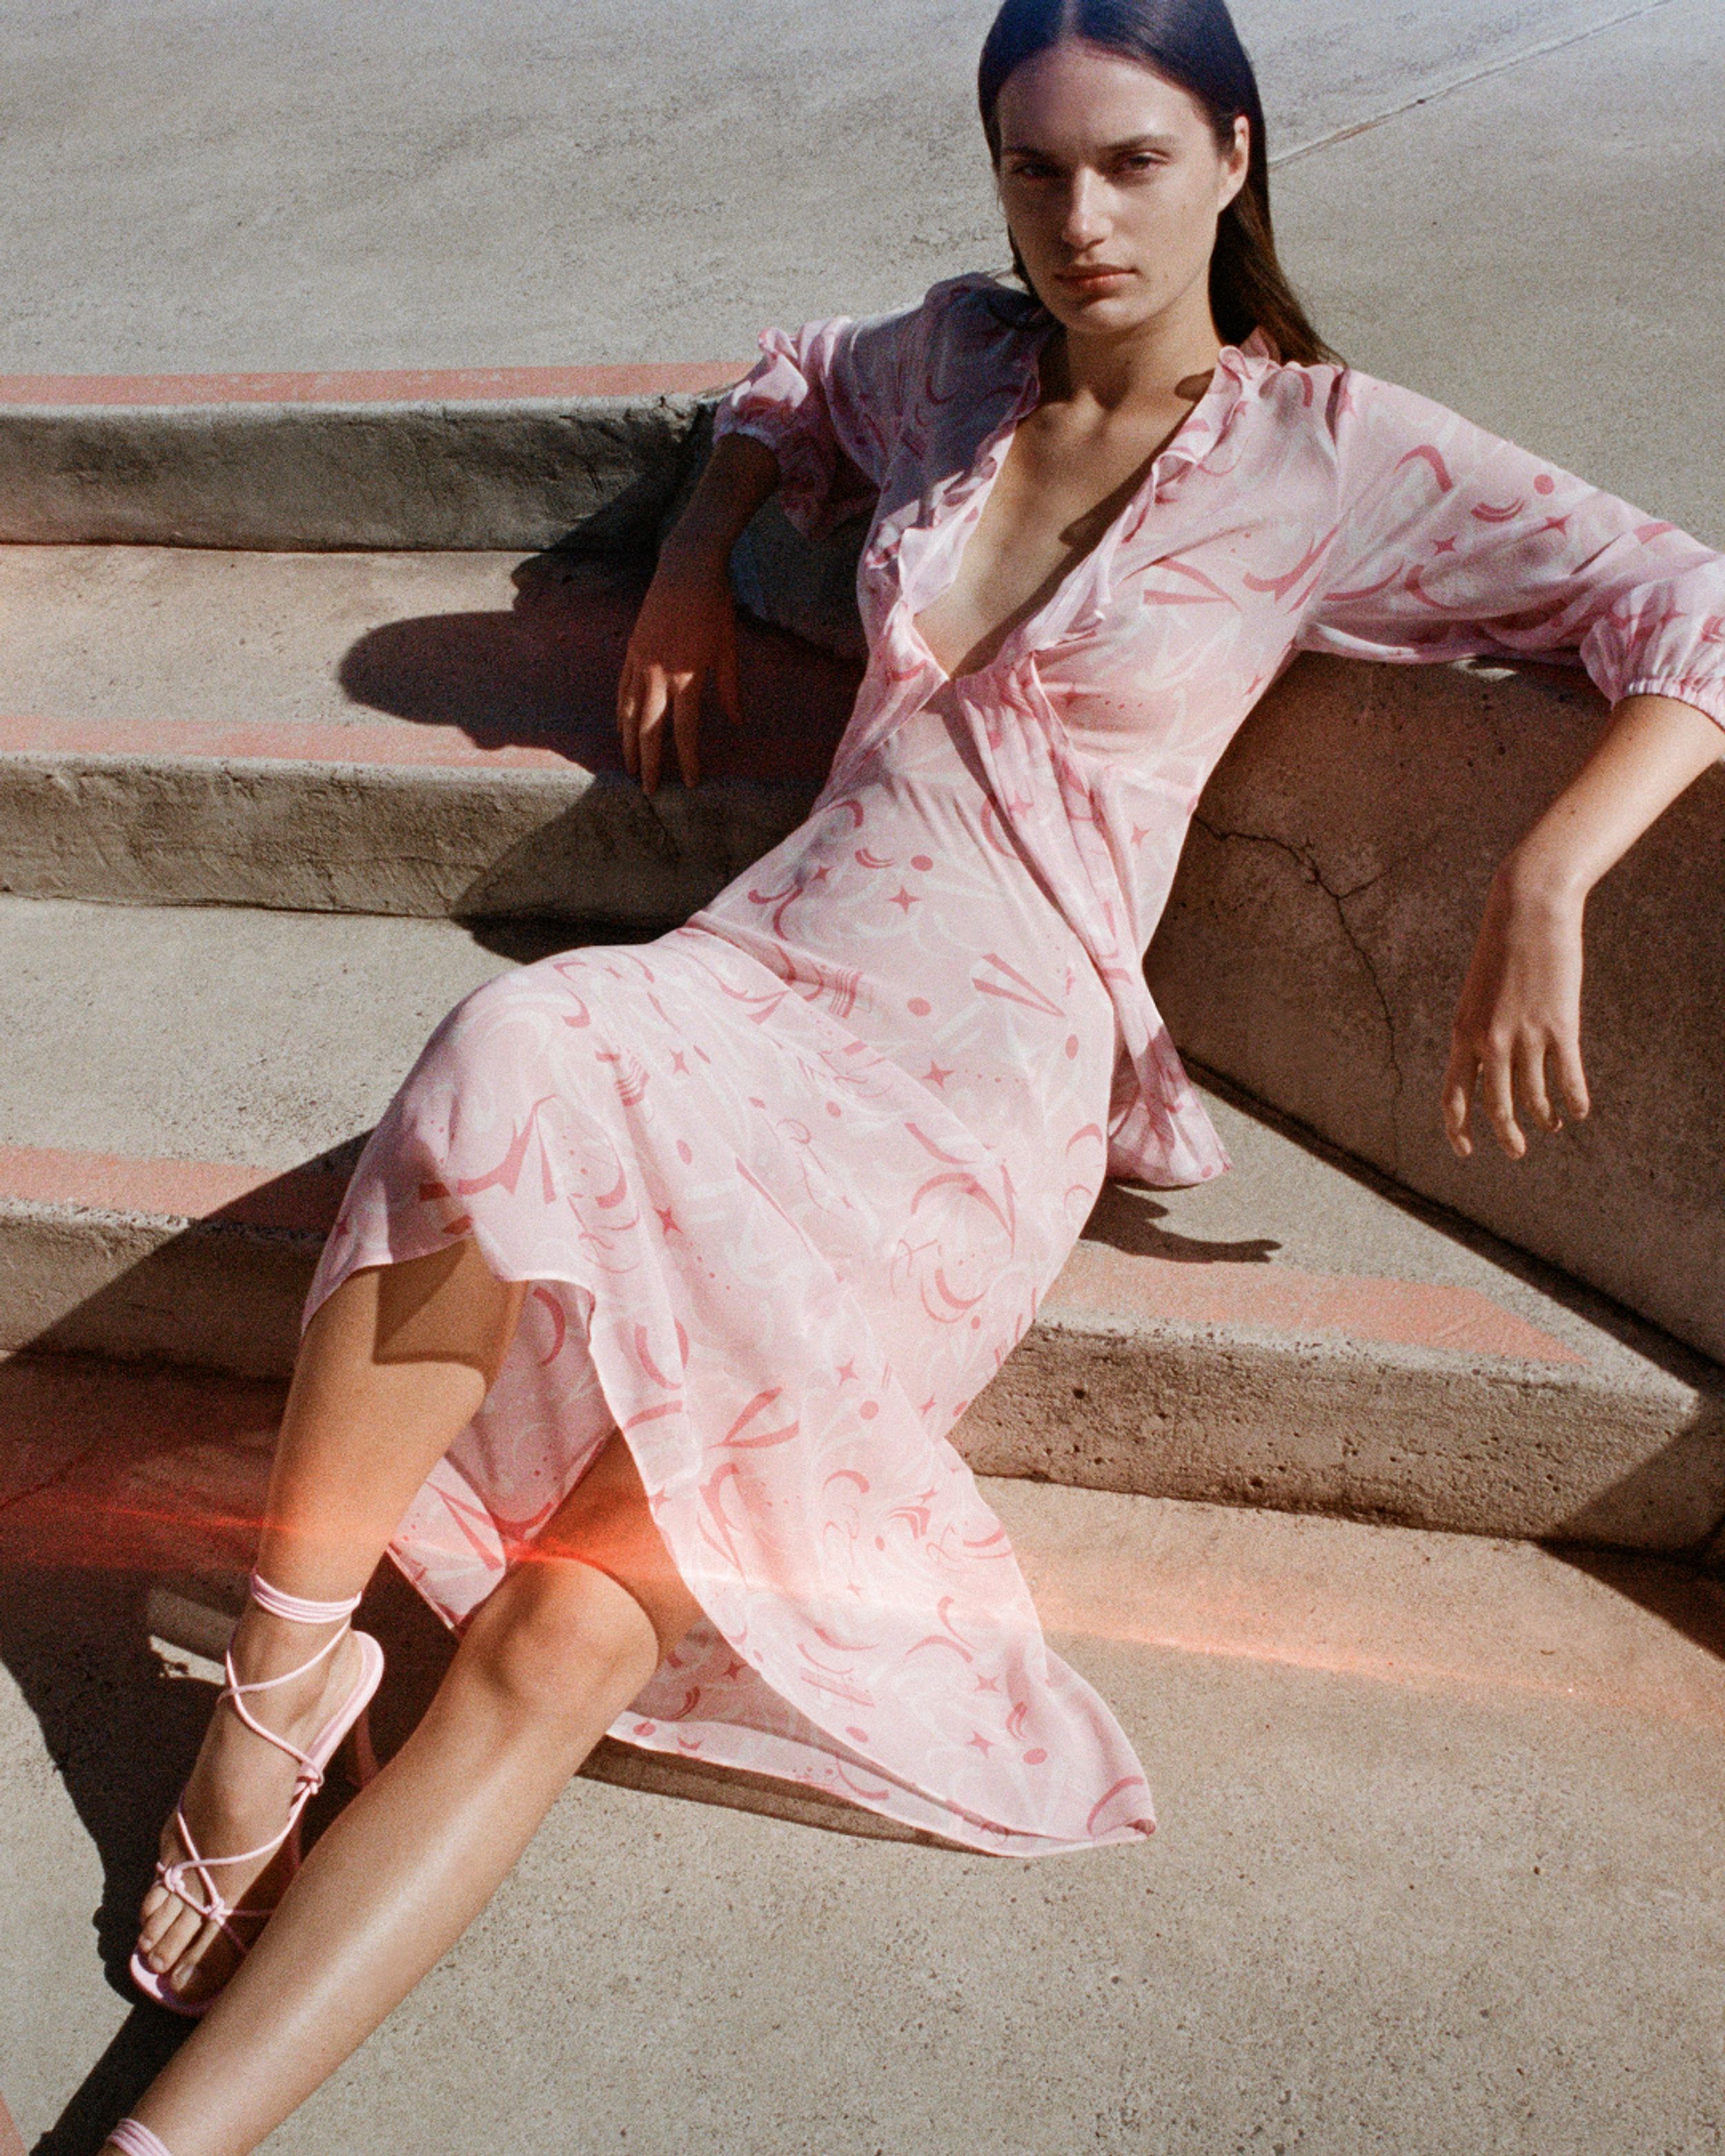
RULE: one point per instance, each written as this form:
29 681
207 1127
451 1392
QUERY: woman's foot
238 1797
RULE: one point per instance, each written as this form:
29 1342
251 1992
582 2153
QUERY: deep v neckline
976 488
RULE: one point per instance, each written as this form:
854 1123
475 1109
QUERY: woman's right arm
687 626
813 422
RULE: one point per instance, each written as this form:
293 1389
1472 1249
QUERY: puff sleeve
1450 543
827 400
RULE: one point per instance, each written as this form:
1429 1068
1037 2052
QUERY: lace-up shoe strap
299 1608
214 1907
311 1777
132 2139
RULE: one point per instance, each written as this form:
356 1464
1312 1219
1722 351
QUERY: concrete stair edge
416 472
408 841
1097 1395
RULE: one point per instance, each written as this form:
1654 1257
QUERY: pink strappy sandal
132 2139
206 1897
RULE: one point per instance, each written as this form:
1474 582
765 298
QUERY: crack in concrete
1504 66
58 1475
1310 869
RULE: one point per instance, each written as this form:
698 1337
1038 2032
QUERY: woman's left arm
1520 1010
1448 542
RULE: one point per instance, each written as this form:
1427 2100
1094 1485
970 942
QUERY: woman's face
1112 181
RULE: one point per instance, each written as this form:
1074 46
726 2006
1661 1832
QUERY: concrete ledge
1321 927
520 472
416 734
402 839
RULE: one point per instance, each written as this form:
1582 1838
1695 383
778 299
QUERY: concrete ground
1508 205
1437 1871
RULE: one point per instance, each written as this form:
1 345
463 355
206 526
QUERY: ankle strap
132 2139
295 1607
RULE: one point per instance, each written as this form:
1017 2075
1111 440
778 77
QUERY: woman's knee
558 1633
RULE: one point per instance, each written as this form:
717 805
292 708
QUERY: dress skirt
788 1183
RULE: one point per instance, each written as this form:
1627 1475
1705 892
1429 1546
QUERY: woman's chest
1057 489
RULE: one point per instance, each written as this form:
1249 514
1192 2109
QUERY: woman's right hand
686 630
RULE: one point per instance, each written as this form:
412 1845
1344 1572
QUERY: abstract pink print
790 1181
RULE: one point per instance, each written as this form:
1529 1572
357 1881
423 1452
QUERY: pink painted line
472 385
1275 1298
12 2142
304 1198
364 741
1283 1299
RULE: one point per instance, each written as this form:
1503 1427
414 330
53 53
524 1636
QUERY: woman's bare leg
391 1369
549 1660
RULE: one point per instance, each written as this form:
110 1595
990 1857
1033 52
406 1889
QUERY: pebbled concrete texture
424 733
183 1092
1541 250
1437 1868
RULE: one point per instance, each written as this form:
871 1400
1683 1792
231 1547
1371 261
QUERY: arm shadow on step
520 719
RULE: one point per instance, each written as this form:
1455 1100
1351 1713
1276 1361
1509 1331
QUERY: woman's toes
172 1939
195 1977
161 1909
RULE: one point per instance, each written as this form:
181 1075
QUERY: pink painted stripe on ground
272 740
306 1199
1284 1299
469 385
12 2142
1274 1298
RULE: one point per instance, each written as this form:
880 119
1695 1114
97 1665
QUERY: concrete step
183 1090
432 734
420 734
475 458
1399 1777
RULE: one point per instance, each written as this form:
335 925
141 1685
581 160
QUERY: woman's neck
1161 359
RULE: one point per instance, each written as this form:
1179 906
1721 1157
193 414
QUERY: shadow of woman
167 1487
543 677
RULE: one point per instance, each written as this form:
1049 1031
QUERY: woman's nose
1086 220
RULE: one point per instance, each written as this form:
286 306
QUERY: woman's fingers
1497 1097
1571 1077
628 699
1457 1098
1529 1072
1506 1073
685 724
650 727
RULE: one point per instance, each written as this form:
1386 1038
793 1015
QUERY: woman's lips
1096 280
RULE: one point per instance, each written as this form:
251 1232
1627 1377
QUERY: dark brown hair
1193 45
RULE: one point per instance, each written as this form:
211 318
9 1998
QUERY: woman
671 1266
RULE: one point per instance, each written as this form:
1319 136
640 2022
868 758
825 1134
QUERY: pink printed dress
789 1182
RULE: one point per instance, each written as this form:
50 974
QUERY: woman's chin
1100 314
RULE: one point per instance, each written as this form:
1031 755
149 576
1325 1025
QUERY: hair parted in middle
1193 45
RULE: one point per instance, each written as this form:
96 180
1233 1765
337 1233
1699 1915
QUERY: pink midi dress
789 1181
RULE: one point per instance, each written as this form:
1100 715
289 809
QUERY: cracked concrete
1506 64
1404 788
1311 872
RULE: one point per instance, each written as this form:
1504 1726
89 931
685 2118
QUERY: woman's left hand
1519 1021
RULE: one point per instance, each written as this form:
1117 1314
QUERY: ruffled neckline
1085 592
